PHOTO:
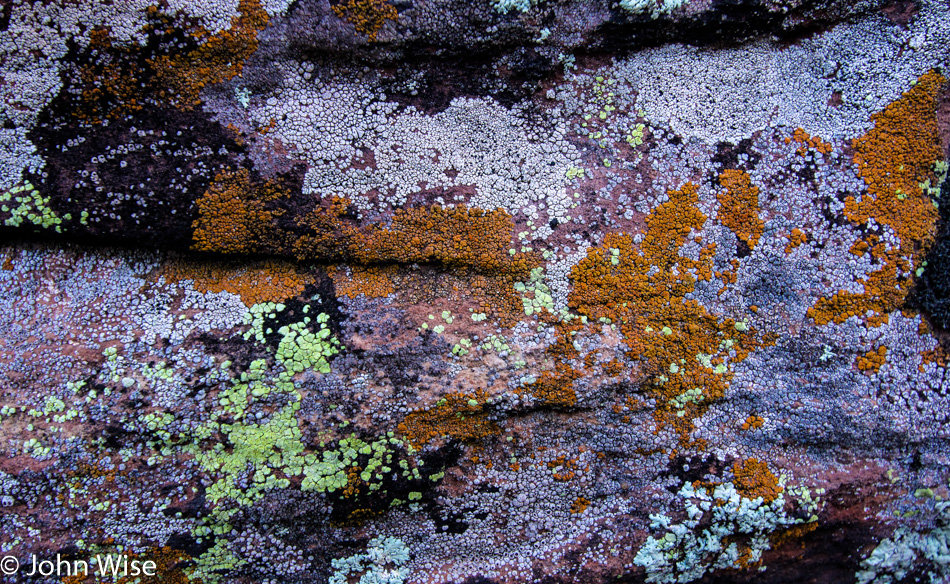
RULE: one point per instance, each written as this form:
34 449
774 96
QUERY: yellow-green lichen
25 204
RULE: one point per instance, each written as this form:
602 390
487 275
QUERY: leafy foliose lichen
738 532
383 563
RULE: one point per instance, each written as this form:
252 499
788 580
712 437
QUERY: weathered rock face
495 292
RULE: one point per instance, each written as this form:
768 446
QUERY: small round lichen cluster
872 361
753 480
807 141
26 205
506 6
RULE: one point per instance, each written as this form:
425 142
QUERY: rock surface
510 291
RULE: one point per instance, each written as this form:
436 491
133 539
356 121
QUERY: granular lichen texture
739 206
367 16
503 292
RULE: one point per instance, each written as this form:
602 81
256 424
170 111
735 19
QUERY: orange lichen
331 232
368 16
747 555
458 416
630 404
353 481
580 505
233 214
472 245
885 290
709 486
120 78
613 368
169 567
217 59
109 88
792 533
591 359
271 124
450 237
752 423
739 206
236 134
554 388
861 246
795 239
893 158
876 320
754 479
938 356
563 468
371 281
872 361
84 469
265 281
458 237
679 346
563 347
807 141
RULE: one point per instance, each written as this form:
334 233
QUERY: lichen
737 534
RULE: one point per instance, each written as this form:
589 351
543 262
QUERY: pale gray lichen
506 6
381 564
898 555
654 7
684 553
